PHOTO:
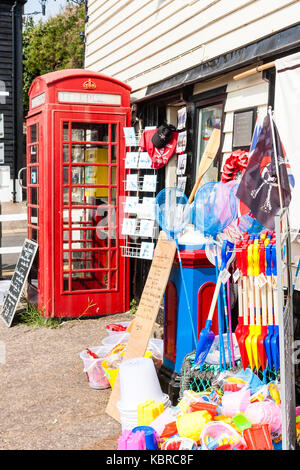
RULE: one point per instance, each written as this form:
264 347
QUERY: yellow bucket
111 374
191 424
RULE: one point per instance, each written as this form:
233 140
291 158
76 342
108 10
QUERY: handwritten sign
147 311
18 281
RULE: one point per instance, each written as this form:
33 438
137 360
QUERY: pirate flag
259 188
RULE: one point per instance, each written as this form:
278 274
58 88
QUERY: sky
52 8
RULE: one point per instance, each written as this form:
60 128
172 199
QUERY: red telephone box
75 174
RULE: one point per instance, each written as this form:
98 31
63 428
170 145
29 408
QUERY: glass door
33 188
89 195
208 117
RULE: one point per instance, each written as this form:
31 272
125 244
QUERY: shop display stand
137 243
286 335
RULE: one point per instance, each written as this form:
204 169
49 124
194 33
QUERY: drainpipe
13 101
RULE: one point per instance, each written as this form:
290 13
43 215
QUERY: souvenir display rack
138 244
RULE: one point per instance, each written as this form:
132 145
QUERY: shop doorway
209 115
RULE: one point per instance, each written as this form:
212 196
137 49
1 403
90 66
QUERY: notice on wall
147 310
18 280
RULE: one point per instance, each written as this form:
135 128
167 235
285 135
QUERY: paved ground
13 234
45 400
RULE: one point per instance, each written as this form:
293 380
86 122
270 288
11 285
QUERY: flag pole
276 158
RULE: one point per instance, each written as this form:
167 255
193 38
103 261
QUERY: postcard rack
138 219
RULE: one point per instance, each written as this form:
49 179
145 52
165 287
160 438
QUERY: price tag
261 280
236 275
274 283
224 276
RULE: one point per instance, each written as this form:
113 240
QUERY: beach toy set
239 412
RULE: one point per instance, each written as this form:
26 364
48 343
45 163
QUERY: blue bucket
150 436
252 380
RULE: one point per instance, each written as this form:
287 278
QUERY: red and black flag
259 187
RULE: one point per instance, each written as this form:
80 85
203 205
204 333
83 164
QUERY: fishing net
214 208
200 379
172 211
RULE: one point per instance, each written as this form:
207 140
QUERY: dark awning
275 44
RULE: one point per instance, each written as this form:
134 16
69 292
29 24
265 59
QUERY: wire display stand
141 183
286 333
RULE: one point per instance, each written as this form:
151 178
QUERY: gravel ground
45 400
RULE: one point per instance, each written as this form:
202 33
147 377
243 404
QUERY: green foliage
52 45
133 306
32 316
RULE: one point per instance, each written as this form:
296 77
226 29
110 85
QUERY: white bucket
129 418
113 340
138 383
93 367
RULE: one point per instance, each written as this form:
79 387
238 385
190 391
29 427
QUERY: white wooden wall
144 41
241 94
245 93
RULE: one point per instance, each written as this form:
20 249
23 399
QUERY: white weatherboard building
186 54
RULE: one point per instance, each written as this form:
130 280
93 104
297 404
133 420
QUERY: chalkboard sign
18 281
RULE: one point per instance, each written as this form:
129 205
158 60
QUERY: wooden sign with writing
18 280
147 311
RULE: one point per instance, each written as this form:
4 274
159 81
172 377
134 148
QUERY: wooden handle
251 298
249 72
207 158
245 300
264 305
275 301
257 306
240 297
270 301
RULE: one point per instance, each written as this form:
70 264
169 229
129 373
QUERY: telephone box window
33 133
66 131
88 132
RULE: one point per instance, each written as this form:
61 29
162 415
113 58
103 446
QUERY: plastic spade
248 341
206 336
230 325
275 338
263 291
268 249
257 329
220 322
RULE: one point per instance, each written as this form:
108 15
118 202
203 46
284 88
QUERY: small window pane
66 131
34 196
65 176
114 133
33 150
33 133
89 132
65 153
113 154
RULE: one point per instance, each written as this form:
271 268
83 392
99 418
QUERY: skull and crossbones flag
259 186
